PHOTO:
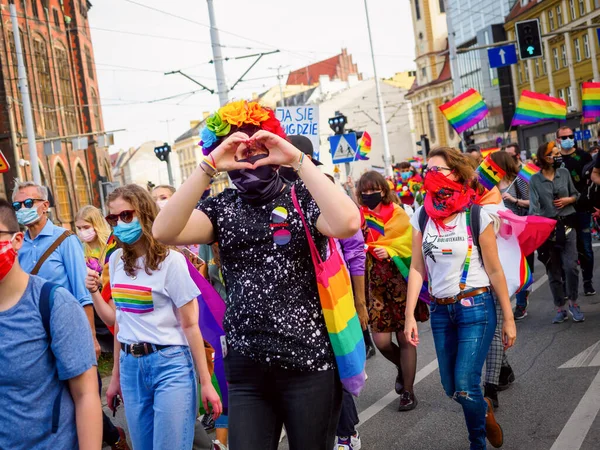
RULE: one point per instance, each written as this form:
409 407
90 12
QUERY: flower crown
237 116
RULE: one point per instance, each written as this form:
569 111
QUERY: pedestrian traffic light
529 39
162 152
338 123
424 144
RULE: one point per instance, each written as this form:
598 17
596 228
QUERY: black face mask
558 162
257 186
371 200
288 174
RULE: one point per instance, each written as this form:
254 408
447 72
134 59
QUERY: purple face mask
257 186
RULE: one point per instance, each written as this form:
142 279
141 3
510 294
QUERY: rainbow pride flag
111 246
534 107
465 110
527 171
490 173
590 100
374 222
364 147
525 275
133 299
488 151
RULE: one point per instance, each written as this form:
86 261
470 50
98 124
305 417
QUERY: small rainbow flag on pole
374 222
465 110
527 171
364 147
490 173
485 152
591 100
534 107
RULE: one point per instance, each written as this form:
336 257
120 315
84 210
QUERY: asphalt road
547 408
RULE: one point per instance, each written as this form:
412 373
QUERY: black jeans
264 398
348 417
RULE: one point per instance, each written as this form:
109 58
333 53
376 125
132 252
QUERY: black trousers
263 398
349 416
110 434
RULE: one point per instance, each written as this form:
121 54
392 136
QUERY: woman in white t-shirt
157 338
463 314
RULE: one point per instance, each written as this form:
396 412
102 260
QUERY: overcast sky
131 64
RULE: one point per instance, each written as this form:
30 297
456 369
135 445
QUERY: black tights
403 355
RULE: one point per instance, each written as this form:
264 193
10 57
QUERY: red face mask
445 197
8 255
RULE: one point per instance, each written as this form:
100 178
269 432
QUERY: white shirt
147 305
445 252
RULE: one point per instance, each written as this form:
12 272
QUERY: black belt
141 349
459 297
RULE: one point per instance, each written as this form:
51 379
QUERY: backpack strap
45 307
476 223
51 250
423 218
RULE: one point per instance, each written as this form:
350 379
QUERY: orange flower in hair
234 113
256 114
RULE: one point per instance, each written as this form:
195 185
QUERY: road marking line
577 427
596 244
588 357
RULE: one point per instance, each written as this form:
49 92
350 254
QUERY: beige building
433 83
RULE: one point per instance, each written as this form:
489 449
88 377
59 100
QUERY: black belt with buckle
141 349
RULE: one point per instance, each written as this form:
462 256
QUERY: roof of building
113 158
194 131
519 9
310 74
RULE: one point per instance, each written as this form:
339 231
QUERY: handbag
341 319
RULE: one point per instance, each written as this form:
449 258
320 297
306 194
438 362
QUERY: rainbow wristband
212 167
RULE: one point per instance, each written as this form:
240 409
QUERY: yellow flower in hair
256 114
235 113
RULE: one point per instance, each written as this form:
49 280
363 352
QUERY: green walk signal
529 39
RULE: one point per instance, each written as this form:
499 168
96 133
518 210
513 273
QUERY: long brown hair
146 211
462 165
374 181
506 163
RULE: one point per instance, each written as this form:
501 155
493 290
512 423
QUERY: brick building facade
63 85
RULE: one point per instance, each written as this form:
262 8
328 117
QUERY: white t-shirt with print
445 251
147 305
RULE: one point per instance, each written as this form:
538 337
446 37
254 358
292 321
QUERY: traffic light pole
217 56
170 171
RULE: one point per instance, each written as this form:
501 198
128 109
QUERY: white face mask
87 235
161 203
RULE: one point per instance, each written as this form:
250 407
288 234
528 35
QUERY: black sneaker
399 381
507 377
520 312
208 422
588 288
370 351
408 401
491 392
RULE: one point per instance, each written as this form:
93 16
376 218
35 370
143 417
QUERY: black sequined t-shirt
273 311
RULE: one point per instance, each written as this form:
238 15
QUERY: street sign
343 148
587 134
502 56
301 120
578 135
598 33
3 163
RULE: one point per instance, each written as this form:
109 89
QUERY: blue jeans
159 393
462 336
584 245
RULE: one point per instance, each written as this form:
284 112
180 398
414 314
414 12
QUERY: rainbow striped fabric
133 299
465 272
490 173
590 100
364 147
465 110
534 107
488 151
525 275
111 246
527 171
374 222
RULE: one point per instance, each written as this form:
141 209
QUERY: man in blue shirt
37 366
66 265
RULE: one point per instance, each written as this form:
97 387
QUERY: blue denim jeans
159 393
462 336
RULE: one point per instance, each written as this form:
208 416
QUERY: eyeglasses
570 136
27 203
8 232
125 216
439 168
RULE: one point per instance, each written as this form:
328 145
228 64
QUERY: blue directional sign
578 135
502 56
598 33
343 148
587 134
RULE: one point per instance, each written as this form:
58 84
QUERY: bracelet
213 160
93 292
213 170
300 161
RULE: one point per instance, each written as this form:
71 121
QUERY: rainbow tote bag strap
341 319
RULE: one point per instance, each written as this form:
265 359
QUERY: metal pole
170 171
217 56
24 87
387 159
454 67
279 77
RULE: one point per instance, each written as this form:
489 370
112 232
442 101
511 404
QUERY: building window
62 194
95 110
431 121
569 99
563 52
417 10
577 51
586 45
544 64
537 67
88 60
56 17
34 9
551 19
81 187
45 84
520 72
559 16
424 75
442 6
83 8
526 67
450 131
572 9
561 94
556 63
581 7
66 90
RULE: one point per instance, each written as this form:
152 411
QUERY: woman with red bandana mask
463 313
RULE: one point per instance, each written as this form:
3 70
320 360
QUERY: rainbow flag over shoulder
488 151
490 173
374 222
465 110
534 107
527 171
364 147
111 246
590 100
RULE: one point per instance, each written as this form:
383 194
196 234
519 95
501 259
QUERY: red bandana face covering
8 255
445 197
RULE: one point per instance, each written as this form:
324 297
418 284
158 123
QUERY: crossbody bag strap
51 250
465 272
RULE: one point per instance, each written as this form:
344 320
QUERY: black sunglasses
27 203
570 136
125 216
439 168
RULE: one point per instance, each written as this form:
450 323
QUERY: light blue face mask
28 216
567 144
405 175
128 233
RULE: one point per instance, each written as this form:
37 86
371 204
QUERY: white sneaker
356 444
